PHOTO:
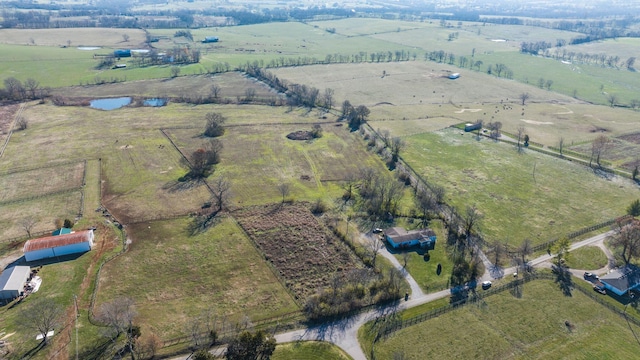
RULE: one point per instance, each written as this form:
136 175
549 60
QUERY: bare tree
199 164
214 124
175 71
373 246
495 128
599 147
44 315
221 192
405 259
328 98
526 248
215 91
213 150
285 190
524 97
627 237
22 123
32 86
612 99
125 37
520 131
497 249
14 88
249 94
561 145
397 145
28 224
350 181
471 220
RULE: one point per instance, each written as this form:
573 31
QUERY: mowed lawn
526 195
259 158
309 350
174 277
531 327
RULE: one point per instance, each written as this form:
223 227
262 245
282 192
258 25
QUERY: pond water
155 102
110 104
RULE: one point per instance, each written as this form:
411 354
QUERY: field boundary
13 123
390 325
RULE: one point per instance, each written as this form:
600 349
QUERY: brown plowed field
304 253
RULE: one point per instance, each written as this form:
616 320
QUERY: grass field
504 327
587 258
500 182
261 157
32 183
309 350
166 271
94 37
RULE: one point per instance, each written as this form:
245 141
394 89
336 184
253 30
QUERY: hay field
504 327
412 83
562 197
166 271
261 157
93 37
20 185
622 47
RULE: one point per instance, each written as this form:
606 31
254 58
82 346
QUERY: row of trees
16 90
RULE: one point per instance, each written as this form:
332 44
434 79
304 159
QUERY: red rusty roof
56 241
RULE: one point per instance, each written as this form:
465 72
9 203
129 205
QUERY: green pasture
424 271
167 271
502 326
591 83
521 195
45 210
363 27
309 350
261 157
516 34
587 258
622 47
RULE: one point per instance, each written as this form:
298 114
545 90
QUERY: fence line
13 123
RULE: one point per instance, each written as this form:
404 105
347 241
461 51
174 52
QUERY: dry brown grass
301 249
102 37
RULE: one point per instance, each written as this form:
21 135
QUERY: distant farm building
210 39
61 231
454 76
621 280
471 127
120 53
52 246
400 238
12 282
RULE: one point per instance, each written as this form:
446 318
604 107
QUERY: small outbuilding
52 246
471 127
454 76
120 53
210 39
12 282
398 237
622 280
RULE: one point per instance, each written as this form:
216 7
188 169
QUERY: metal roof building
12 281
52 246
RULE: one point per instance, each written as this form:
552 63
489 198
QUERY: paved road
344 333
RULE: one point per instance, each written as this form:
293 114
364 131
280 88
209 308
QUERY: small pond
110 104
155 102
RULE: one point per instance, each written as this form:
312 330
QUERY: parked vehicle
486 285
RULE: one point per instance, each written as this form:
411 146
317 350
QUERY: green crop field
504 327
166 271
516 202
309 350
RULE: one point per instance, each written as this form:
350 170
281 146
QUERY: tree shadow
563 278
186 184
202 223
98 351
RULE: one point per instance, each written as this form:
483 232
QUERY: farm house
52 246
621 280
400 238
12 281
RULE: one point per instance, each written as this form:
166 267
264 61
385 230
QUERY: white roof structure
13 279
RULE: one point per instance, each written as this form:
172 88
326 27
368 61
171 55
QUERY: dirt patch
304 253
7 114
300 135
633 138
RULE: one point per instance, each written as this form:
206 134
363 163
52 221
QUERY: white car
486 285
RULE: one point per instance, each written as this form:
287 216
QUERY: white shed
52 246
12 281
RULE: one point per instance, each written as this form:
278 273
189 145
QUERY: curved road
344 333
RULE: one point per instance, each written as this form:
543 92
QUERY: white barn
12 281
52 246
